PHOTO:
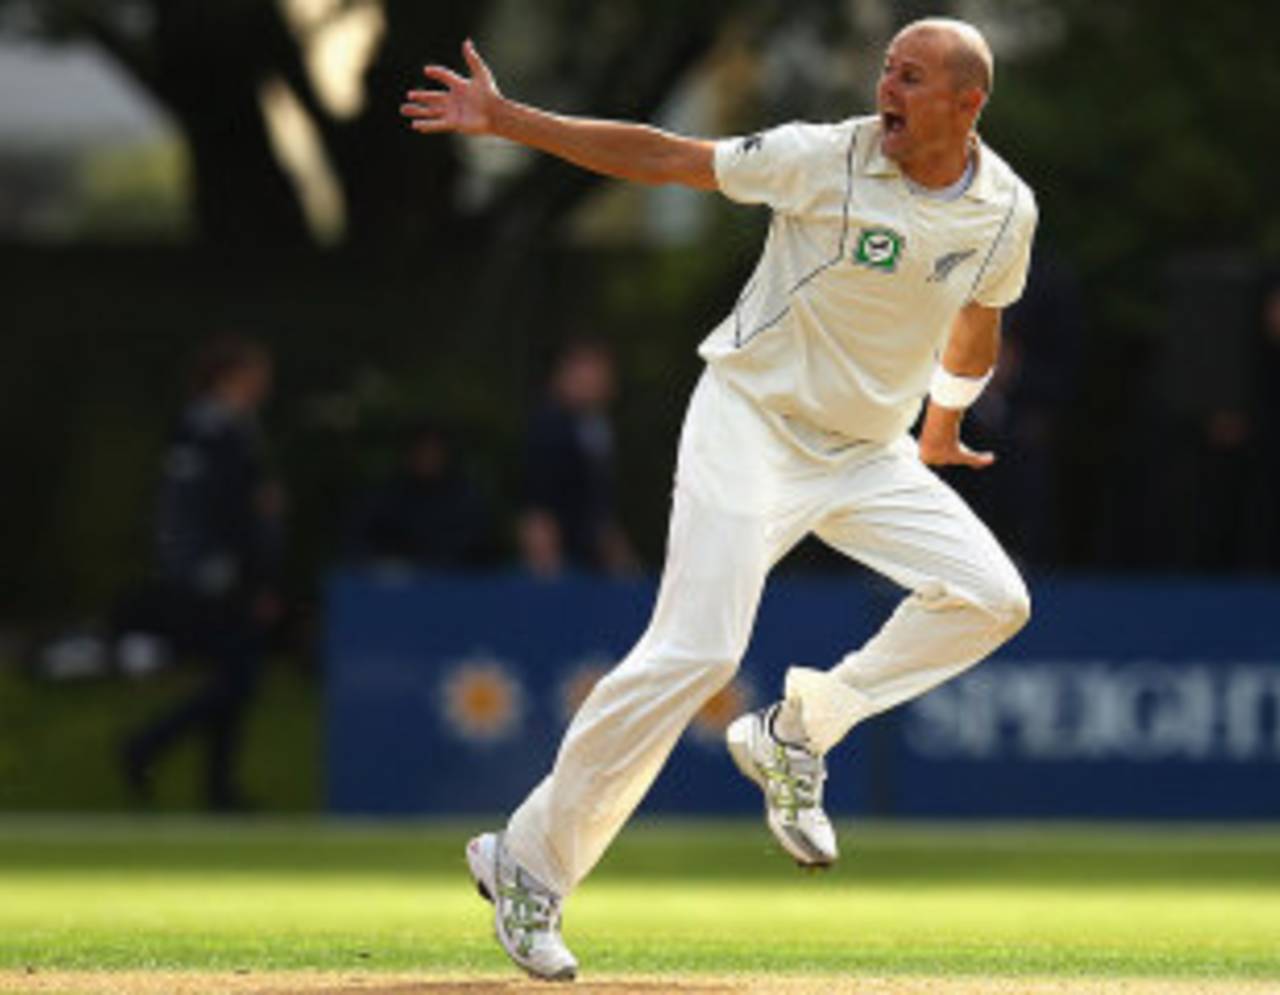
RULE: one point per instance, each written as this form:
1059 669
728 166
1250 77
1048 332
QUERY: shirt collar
873 162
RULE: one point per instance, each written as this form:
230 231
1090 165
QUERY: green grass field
683 899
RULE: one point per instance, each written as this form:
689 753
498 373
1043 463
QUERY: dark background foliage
1146 129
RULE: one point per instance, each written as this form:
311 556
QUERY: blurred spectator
1020 414
1233 513
429 514
568 517
218 538
1265 365
1224 461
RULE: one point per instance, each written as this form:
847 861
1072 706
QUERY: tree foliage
205 63
1145 128
1153 115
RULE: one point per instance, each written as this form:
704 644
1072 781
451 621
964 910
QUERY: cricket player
896 240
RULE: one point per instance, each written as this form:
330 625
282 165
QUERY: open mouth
893 122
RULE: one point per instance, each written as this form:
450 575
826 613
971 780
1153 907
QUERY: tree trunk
211 61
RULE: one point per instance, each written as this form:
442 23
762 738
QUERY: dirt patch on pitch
266 983
269 983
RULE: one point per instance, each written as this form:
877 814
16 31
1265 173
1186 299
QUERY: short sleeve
771 167
1006 278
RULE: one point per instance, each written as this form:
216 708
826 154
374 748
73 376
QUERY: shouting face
927 103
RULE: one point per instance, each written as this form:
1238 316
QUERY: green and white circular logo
878 248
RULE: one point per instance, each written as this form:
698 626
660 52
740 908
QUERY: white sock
788 725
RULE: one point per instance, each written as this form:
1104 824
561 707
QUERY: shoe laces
798 778
529 909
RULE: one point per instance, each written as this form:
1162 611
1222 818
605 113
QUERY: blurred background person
1265 366
217 547
569 516
429 513
1020 415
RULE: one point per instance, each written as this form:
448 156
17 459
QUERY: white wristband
951 391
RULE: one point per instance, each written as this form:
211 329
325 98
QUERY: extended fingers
479 70
432 125
448 109
428 96
979 461
443 74
425 103
955 455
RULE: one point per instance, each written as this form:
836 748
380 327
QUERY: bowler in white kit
896 240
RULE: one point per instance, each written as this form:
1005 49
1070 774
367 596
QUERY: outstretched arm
634 152
970 353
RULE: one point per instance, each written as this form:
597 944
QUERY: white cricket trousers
745 494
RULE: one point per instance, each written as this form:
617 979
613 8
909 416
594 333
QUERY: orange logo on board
483 700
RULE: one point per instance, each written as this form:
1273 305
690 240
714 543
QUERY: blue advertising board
1154 699
449 694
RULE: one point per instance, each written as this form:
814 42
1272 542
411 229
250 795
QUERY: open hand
464 105
940 443
955 453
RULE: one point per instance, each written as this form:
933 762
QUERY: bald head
967 55
932 89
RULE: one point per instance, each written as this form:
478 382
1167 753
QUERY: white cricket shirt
839 328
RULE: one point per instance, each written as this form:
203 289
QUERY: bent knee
1010 603
717 672
704 665
1017 610
999 595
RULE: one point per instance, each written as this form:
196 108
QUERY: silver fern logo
943 265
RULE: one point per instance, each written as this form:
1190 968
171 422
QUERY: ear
972 99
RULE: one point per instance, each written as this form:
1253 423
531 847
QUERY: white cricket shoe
526 913
791 778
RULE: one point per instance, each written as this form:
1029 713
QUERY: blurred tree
208 65
204 63
1145 127
1182 99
